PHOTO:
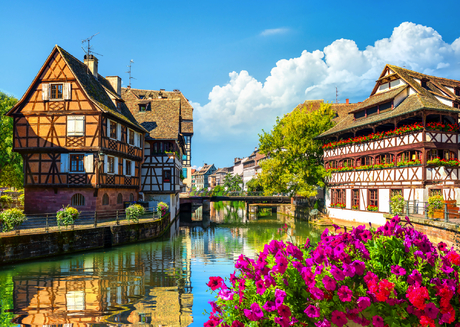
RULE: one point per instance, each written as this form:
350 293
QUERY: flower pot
438 214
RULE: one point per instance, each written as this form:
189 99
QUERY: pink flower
269 306
312 311
329 283
339 318
363 303
215 282
344 293
284 311
377 321
283 321
316 293
431 310
237 323
255 313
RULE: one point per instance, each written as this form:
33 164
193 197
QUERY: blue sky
240 63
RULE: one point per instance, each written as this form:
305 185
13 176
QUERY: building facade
167 116
202 176
403 139
79 142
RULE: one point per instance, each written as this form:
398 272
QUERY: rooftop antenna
336 95
129 71
88 49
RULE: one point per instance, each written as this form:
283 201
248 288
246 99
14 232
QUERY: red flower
215 282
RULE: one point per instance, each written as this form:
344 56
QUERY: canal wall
17 248
291 210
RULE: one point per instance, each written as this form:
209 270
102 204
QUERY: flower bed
392 276
375 136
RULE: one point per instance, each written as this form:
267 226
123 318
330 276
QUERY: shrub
163 207
397 204
133 212
435 202
21 199
11 218
67 216
6 200
392 276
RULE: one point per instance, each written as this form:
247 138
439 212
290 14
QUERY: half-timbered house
79 142
403 139
167 116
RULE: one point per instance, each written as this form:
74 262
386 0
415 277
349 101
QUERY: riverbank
17 248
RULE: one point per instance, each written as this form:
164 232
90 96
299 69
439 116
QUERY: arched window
441 154
131 197
105 200
364 161
77 200
347 163
385 159
119 198
409 156
332 164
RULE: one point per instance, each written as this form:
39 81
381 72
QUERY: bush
392 276
397 204
6 200
134 212
21 199
435 202
11 218
163 207
67 216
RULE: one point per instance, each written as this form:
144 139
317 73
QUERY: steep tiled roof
379 98
94 88
162 120
205 169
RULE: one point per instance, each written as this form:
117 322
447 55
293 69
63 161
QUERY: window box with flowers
384 165
338 205
364 167
443 162
415 162
372 208
355 207
454 128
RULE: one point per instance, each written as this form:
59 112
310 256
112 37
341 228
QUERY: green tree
295 157
11 173
254 185
233 182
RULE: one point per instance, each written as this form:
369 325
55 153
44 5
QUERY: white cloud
274 31
245 105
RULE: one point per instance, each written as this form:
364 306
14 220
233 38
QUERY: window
394 192
105 200
56 92
385 159
355 199
457 91
77 200
360 114
77 163
128 168
75 125
347 163
372 111
435 191
131 197
409 156
113 129
167 176
338 196
131 137
142 107
119 198
184 172
331 164
373 198
385 106
364 161
110 165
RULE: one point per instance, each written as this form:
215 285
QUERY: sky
240 63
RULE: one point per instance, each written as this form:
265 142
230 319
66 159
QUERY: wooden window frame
110 165
131 140
165 177
436 191
79 160
113 129
342 196
355 197
128 168
374 201
142 107
77 200
54 87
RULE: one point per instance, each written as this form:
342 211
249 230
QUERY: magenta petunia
312 311
359 267
377 321
284 311
269 306
237 323
344 293
337 273
339 318
363 303
329 283
260 287
316 293
282 321
431 310
215 282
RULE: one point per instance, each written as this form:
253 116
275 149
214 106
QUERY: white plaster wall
384 200
412 91
444 101
406 193
348 198
400 98
358 216
363 200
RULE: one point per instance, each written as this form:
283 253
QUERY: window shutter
119 132
80 125
45 92
124 167
105 163
67 91
133 168
108 127
116 169
89 160
70 126
64 162
136 139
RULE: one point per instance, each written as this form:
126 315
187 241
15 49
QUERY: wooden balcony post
95 219
446 213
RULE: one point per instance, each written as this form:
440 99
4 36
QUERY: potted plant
134 212
436 206
163 207
397 204
67 216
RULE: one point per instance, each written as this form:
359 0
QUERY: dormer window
141 97
143 107
423 82
457 91
56 92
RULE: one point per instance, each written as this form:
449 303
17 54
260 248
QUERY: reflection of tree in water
6 300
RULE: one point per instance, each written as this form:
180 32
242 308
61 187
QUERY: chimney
91 62
348 101
115 81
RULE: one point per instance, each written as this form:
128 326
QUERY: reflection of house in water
142 283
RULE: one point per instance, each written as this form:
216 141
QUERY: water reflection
160 283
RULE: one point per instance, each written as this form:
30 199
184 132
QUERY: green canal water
157 283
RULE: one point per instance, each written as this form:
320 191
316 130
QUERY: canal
155 283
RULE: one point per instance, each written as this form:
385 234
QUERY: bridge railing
206 193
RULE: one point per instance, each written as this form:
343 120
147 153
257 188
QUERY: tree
233 182
11 173
294 163
254 185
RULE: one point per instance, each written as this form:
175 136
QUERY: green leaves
294 163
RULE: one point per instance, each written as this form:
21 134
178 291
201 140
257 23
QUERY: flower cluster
409 163
338 205
355 207
363 167
371 207
443 127
392 276
67 216
375 136
443 162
